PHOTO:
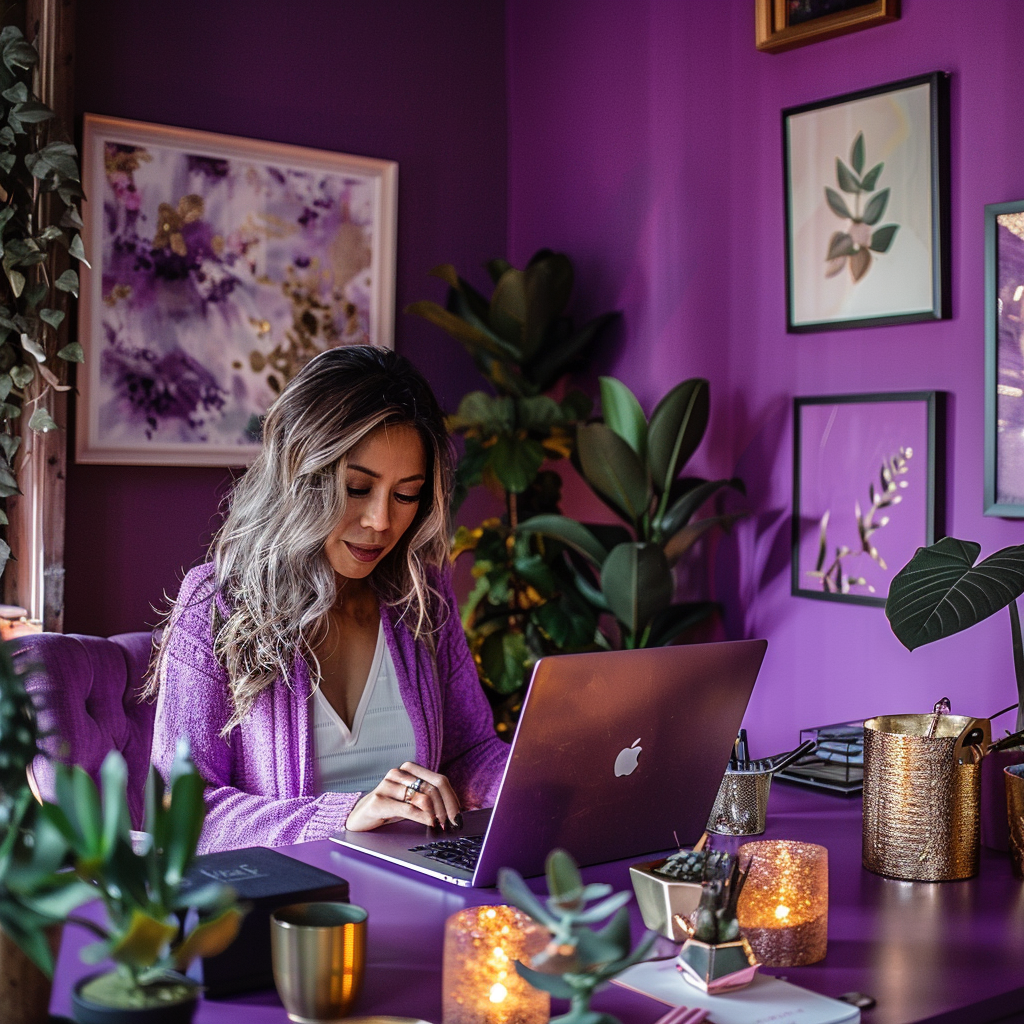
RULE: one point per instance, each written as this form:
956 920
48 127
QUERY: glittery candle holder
783 911
480 984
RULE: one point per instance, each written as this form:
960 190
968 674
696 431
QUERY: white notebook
766 999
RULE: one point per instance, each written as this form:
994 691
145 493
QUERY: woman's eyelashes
405 499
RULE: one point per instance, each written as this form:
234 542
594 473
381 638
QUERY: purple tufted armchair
87 690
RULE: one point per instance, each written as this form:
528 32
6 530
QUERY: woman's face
385 474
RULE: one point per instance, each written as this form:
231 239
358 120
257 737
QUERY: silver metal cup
319 957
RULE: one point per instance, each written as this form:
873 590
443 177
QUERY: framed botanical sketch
221 265
783 24
867 207
1004 360
868 490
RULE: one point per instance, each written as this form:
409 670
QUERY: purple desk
945 953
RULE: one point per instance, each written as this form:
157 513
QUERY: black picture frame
826 294
925 425
1004 363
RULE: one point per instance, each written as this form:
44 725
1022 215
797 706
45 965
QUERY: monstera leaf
941 591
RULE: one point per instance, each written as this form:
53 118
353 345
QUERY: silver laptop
616 753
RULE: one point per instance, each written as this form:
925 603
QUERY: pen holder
741 804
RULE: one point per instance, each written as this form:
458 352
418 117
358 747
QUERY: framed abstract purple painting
868 490
1004 360
221 266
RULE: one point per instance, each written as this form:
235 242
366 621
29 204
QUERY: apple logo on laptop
626 762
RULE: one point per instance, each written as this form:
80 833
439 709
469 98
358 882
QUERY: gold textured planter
1014 781
921 807
660 899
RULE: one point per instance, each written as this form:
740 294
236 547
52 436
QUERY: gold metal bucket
922 795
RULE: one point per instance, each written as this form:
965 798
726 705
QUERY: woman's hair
273 581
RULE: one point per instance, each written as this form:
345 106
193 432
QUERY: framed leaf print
868 489
867 207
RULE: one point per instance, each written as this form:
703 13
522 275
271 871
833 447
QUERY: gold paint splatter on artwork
170 222
262 326
119 159
118 292
1012 222
217 245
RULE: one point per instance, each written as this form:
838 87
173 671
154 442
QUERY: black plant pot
85 1011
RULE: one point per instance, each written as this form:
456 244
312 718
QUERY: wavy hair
274 586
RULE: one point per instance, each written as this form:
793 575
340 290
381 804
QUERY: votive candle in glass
480 983
783 909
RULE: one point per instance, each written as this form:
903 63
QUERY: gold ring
412 787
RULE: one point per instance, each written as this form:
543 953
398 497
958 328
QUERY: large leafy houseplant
635 466
943 589
578 959
40 189
524 603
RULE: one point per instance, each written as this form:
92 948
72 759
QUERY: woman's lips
364 554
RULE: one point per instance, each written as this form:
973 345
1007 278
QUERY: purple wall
645 140
423 84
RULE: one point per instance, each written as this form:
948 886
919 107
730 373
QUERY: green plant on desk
142 892
577 960
943 590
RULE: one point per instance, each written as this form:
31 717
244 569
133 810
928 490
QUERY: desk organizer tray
265 880
836 765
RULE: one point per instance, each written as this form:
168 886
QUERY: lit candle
480 982
783 911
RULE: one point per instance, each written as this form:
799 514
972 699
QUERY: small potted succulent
577 959
154 926
668 890
716 958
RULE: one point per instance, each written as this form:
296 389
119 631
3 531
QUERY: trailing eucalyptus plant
38 167
525 603
577 959
944 589
634 466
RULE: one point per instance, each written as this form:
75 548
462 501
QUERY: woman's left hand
411 792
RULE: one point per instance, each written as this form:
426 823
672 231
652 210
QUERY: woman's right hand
396 796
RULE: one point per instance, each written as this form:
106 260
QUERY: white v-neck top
355 760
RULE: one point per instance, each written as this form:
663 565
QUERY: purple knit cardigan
261 779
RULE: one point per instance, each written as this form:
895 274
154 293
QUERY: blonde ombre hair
274 586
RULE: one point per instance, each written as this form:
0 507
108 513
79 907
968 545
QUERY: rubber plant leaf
569 532
940 591
507 315
637 583
554 359
681 511
676 429
114 783
548 282
614 470
623 414
673 620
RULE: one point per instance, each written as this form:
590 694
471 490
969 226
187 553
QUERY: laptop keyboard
462 852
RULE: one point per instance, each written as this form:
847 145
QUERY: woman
317 665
